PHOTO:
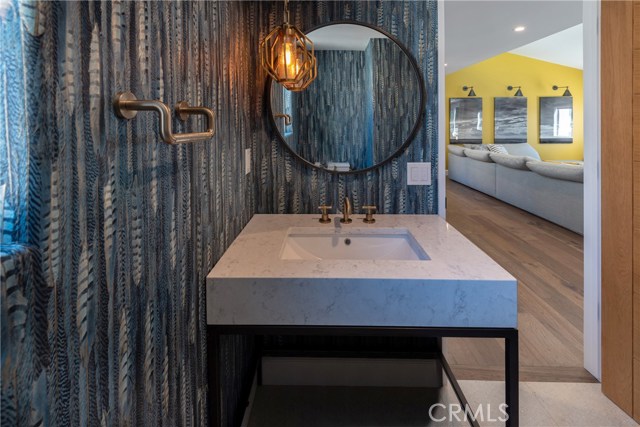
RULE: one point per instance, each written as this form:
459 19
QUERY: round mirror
363 109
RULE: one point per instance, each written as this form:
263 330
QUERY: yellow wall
490 79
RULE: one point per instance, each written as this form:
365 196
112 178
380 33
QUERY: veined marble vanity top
454 285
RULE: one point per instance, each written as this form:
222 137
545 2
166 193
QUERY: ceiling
564 48
478 30
343 37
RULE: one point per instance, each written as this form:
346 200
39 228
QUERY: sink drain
347 242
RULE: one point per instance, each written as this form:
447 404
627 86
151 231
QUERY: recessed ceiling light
446 65
519 28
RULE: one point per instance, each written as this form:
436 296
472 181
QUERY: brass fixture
566 90
325 214
368 218
346 211
518 92
287 55
470 89
286 117
126 106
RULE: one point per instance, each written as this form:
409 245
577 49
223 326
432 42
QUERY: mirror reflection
556 119
362 107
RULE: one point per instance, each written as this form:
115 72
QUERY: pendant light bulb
287 55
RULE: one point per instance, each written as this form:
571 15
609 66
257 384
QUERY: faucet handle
325 214
368 218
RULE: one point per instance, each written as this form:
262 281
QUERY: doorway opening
530 224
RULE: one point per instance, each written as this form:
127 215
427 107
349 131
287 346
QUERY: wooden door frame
592 184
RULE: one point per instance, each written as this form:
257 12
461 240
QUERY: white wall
442 149
592 268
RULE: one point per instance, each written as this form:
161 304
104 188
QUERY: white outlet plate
247 161
419 173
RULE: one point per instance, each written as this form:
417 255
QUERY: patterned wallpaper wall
395 97
331 116
102 308
286 186
103 319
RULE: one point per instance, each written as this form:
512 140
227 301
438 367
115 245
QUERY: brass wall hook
126 106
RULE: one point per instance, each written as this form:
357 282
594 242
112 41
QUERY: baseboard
351 372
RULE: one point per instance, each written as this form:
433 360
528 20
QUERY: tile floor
545 404
542 404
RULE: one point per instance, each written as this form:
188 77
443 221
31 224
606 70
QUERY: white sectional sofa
551 190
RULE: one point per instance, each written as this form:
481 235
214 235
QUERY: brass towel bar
127 106
286 117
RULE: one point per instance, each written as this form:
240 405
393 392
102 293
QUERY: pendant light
287 55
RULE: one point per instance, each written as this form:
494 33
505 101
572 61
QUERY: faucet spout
346 211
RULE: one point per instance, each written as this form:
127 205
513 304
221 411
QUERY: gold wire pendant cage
287 55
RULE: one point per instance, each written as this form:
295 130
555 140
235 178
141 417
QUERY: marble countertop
458 286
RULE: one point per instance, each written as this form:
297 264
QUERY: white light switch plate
247 161
419 173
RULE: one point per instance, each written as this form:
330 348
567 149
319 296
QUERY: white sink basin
313 243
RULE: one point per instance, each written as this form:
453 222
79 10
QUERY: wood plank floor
547 260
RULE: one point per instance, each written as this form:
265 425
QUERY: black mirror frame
409 138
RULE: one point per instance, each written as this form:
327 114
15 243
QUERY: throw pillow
497 148
522 149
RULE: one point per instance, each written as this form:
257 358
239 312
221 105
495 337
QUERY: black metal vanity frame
510 336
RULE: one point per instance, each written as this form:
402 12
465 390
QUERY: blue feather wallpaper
395 98
329 126
102 310
104 302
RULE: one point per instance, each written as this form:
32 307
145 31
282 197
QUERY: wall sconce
470 89
518 92
287 55
566 90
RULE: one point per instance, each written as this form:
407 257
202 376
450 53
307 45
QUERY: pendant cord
286 11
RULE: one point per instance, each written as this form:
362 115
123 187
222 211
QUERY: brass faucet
368 219
325 214
346 211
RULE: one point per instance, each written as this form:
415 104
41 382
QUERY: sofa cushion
557 170
456 149
480 147
481 155
513 162
522 149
